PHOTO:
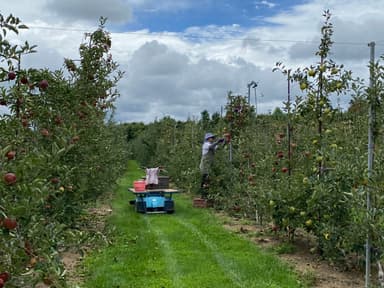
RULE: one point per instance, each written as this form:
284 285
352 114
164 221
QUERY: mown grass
187 249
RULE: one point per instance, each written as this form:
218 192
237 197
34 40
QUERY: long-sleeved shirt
207 155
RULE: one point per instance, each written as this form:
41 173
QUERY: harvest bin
139 185
163 183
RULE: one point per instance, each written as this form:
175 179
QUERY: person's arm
214 144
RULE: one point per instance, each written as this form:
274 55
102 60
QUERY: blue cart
154 200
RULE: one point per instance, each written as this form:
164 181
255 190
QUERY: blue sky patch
245 13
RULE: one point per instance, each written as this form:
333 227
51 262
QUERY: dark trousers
204 185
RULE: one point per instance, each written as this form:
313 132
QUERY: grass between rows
187 249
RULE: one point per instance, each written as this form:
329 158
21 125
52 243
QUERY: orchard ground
299 254
315 272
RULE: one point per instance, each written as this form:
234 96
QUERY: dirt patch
300 255
71 258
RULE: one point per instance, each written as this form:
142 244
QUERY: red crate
139 185
202 203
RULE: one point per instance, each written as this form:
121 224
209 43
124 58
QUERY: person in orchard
207 156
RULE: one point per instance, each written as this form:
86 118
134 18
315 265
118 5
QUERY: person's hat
209 135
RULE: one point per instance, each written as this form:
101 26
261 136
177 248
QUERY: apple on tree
312 73
58 120
10 155
44 132
11 75
303 85
43 84
24 80
4 276
10 178
280 154
55 180
9 223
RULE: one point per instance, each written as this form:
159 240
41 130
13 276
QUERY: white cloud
164 5
182 74
167 82
117 11
265 3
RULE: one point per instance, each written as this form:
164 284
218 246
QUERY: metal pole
371 141
255 86
249 94
289 121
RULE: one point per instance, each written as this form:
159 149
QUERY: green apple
303 85
311 73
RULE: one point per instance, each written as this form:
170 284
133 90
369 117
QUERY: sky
182 57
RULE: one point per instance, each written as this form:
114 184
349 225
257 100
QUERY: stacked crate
162 184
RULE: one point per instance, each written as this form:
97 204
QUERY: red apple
1 283
43 84
24 122
227 137
58 120
11 155
24 80
55 180
10 178
9 223
44 132
11 75
5 276
284 169
75 139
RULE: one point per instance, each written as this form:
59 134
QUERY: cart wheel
169 206
140 207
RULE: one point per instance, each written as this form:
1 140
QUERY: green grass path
187 249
